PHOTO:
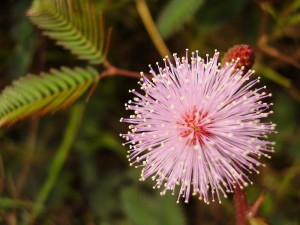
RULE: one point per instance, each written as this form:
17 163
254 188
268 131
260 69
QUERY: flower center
193 127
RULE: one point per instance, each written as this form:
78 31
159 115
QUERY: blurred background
96 184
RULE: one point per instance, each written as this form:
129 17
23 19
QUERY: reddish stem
241 206
113 71
252 211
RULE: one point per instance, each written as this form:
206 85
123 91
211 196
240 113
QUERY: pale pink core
197 128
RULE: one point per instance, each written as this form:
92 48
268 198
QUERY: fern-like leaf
74 24
37 95
176 14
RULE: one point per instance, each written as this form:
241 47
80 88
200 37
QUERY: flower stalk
241 206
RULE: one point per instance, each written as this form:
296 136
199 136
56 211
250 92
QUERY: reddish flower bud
244 52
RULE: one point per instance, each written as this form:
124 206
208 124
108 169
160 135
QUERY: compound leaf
74 24
37 95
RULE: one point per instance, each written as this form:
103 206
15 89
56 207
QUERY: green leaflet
176 14
37 95
74 24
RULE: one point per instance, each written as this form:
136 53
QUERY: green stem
60 157
146 17
8 203
272 75
31 142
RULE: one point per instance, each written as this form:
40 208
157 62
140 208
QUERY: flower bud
245 54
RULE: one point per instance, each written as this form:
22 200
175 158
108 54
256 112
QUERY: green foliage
76 26
6 203
73 24
272 75
285 113
176 14
25 39
214 13
145 210
60 157
38 95
257 221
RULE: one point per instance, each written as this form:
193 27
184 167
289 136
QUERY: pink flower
198 126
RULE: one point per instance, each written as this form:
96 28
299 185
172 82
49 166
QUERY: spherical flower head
198 126
244 53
